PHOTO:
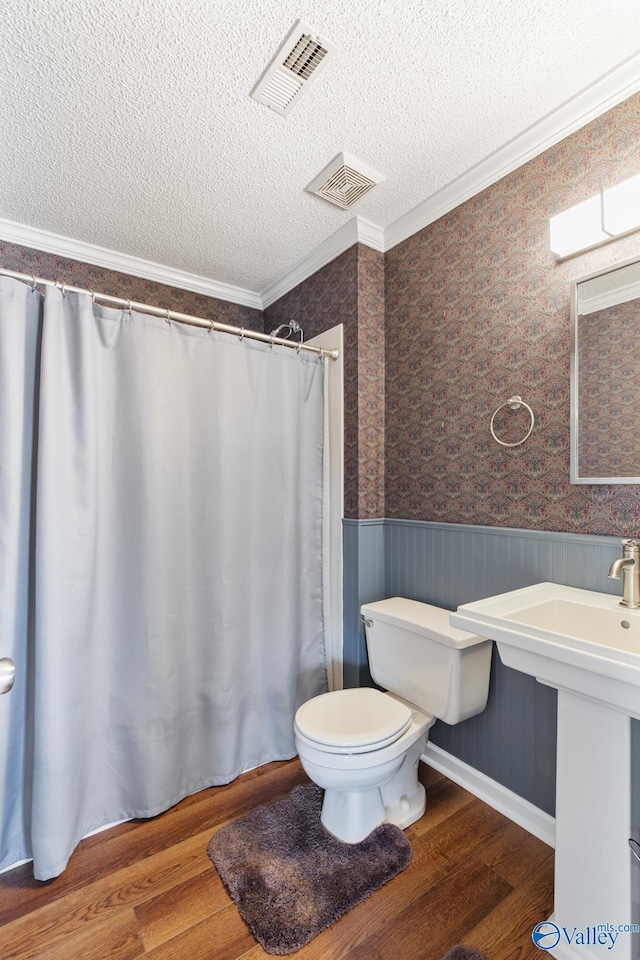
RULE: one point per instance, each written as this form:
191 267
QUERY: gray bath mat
290 878
463 953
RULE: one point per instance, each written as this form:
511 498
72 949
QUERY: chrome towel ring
514 403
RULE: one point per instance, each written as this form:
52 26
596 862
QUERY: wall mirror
605 375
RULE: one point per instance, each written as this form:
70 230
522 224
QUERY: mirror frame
575 374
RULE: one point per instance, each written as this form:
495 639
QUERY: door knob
7 674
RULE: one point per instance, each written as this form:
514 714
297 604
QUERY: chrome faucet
629 567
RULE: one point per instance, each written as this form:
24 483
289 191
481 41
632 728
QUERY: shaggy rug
290 878
463 953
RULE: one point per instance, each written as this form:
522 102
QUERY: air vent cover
297 63
344 181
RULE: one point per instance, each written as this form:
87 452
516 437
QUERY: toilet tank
415 653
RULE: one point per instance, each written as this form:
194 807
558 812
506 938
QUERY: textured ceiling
128 123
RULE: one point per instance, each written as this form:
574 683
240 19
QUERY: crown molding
327 251
614 87
356 230
123 263
594 100
371 235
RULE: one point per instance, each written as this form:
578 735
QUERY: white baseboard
525 814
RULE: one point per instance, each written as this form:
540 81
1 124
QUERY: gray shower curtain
161 548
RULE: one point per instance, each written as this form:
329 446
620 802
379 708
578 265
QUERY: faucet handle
631 548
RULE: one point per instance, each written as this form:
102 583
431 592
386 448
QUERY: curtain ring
212 326
93 296
33 282
299 348
241 335
129 306
167 319
272 341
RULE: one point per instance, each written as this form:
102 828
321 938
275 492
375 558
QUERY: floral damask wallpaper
476 311
439 333
350 290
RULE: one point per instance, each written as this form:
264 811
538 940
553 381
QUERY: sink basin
588 622
569 638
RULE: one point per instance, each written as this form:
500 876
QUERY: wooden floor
147 888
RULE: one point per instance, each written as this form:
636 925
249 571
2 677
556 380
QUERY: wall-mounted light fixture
602 218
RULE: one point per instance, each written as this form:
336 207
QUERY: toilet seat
359 720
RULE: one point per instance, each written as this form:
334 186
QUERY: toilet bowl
363 746
367 781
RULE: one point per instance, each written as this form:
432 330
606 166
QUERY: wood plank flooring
147 888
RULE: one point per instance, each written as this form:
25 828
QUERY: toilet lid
362 717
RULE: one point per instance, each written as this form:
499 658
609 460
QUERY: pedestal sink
588 647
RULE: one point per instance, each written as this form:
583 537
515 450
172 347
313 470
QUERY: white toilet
363 746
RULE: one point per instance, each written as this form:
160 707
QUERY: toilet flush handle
367 621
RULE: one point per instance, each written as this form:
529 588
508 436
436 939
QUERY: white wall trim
594 100
355 230
525 814
610 298
370 234
123 263
334 487
328 250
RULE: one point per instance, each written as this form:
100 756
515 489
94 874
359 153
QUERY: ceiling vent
298 62
344 181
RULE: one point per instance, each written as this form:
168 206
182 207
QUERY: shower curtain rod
171 315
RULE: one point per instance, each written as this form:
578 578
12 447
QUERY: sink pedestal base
593 823
587 647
